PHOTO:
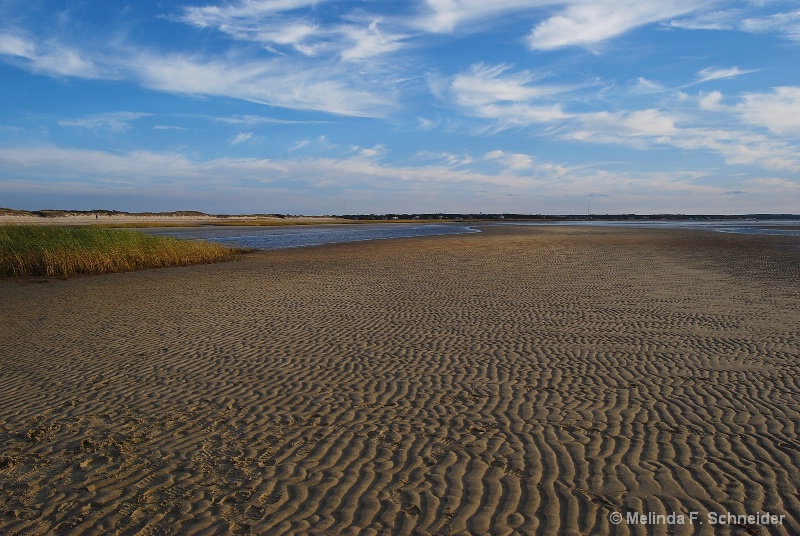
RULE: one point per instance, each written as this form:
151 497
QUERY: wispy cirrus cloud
253 120
715 20
444 16
276 82
566 22
291 25
645 129
114 121
635 127
445 158
144 169
716 73
49 57
588 23
286 26
786 23
242 11
492 92
242 137
508 99
370 40
645 86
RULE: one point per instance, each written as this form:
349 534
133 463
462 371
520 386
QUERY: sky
419 106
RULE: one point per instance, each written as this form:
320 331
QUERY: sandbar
521 380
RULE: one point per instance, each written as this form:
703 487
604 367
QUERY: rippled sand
517 381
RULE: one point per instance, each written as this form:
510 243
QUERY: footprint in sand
271 498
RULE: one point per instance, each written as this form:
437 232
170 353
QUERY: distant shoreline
113 218
151 219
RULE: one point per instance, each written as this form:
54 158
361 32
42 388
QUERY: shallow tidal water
294 236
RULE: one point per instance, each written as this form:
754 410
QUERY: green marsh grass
62 251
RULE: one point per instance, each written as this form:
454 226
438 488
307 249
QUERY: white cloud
114 121
776 184
450 159
11 45
241 137
710 101
575 22
637 128
778 110
284 82
244 10
717 20
484 84
84 166
319 144
645 129
787 24
276 82
442 16
373 152
513 161
299 145
645 86
740 148
715 73
492 92
485 91
245 184
291 34
143 169
48 58
370 41
424 123
296 35
587 23
251 120
277 24
280 36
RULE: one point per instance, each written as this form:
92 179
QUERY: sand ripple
520 381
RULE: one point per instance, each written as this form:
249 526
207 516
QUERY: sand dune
160 219
517 381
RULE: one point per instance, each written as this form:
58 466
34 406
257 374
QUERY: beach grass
61 251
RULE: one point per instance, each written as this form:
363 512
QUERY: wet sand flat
523 380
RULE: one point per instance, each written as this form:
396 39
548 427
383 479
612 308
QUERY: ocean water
294 236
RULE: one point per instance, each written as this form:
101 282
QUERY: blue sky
330 107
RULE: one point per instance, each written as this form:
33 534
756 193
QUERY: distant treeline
417 216
572 217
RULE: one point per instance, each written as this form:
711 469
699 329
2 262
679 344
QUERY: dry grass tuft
60 251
